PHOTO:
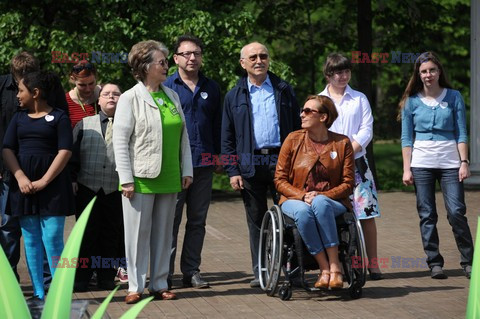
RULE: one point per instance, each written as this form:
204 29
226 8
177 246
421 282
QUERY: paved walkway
406 292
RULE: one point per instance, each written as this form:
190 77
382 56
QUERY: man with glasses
258 114
201 104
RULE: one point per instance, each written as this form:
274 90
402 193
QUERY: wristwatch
465 161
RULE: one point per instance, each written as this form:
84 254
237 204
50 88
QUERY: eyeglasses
431 71
188 54
81 67
341 72
108 94
163 63
308 111
253 58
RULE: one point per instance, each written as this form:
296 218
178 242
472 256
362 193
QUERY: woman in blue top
36 148
434 147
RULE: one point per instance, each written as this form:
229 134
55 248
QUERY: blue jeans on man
454 198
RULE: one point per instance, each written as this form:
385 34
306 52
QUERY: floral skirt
364 198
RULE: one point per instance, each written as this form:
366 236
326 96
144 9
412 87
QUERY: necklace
81 103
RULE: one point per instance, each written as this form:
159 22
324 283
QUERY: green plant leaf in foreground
473 305
59 300
103 307
12 301
133 312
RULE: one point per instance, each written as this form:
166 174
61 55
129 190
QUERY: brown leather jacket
297 158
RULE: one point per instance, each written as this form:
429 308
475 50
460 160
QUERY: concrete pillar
474 181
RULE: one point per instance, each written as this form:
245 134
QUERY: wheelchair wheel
270 250
285 292
353 256
355 292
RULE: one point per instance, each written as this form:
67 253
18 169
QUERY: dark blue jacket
203 115
237 127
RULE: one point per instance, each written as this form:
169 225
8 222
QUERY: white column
474 95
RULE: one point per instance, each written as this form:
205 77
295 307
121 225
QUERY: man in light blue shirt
258 114
265 117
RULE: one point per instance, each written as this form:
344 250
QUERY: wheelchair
282 251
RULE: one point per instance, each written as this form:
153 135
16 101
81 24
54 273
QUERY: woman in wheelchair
315 177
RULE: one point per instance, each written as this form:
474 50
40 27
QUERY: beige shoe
336 280
323 280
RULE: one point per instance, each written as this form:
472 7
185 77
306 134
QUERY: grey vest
97 161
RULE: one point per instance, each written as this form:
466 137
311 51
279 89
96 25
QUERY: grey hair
141 57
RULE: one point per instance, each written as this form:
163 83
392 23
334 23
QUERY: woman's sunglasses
308 111
81 67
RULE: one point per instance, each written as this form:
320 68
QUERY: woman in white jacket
153 160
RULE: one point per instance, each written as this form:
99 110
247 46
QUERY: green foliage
12 302
103 307
473 303
59 301
136 309
299 34
389 162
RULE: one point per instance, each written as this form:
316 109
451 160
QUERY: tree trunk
364 27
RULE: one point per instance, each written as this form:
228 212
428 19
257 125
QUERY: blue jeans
10 232
316 222
454 197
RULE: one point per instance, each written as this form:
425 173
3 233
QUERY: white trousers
148 220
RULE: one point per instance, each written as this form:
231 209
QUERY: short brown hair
326 106
23 63
336 62
141 56
82 69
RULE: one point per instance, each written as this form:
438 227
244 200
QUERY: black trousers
255 201
103 237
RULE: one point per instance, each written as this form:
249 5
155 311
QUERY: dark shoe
163 295
106 284
196 281
80 286
169 282
467 270
375 275
437 273
255 283
133 297
35 300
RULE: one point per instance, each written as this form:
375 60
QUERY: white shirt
435 154
355 118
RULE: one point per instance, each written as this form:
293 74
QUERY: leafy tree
299 33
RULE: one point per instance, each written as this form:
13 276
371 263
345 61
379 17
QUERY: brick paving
404 293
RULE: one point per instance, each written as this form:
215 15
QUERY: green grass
389 164
388 160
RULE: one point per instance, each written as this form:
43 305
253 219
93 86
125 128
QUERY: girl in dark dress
36 149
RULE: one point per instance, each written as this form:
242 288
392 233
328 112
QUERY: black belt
267 151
